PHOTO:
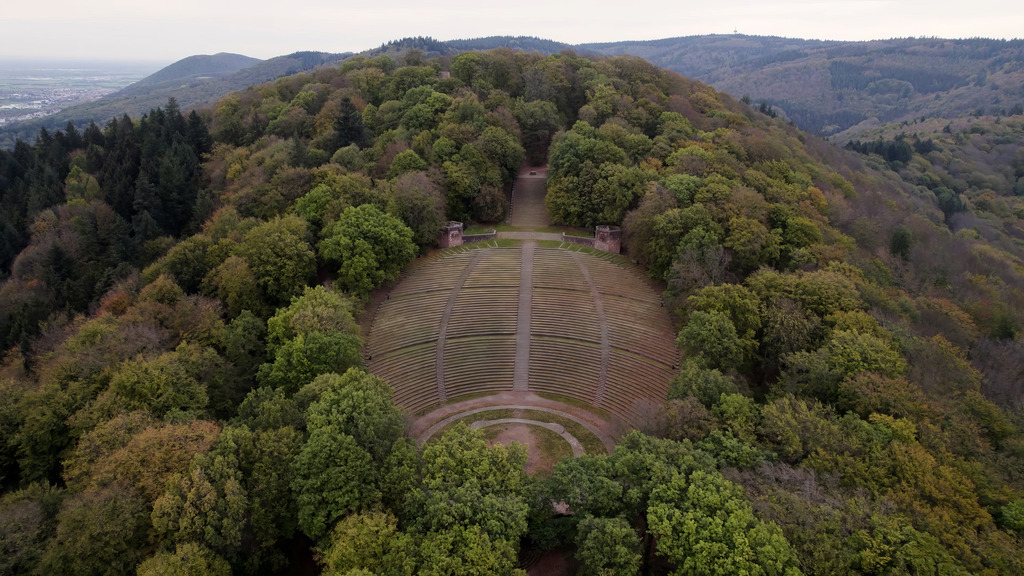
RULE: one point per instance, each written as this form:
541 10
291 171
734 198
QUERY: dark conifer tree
348 126
72 138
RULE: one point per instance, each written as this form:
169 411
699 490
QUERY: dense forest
182 389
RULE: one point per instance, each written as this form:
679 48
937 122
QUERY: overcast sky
166 31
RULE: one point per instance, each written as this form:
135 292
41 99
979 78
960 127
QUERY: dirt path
528 198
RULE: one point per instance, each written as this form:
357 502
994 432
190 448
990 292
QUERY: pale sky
166 31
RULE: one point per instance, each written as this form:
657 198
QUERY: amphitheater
528 324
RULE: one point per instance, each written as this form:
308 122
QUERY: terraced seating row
616 280
631 382
564 313
412 373
412 304
406 321
496 267
432 274
553 268
637 327
481 364
626 370
566 367
480 311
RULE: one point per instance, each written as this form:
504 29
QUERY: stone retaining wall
581 240
452 235
467 238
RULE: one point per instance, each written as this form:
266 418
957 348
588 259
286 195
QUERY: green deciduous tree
607 547
236 499
587 485
711 337
29 520
318 309
188 559
266 408
707 385
502 149
490 205
467 484
369 540
705 525
358 404
405 162
418 202
186 262
539 121
206 505
279 257
638 225
333 477
131 449
234 282
299 360
159 386
847 354
98 532
465 551
669 229
368 246
752 244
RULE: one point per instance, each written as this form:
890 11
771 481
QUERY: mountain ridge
835 89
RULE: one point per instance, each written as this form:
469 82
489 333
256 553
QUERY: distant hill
705 56
830 88
193 68
525 43
194 82
431 48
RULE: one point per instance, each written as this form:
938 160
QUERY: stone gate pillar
608 239
451 235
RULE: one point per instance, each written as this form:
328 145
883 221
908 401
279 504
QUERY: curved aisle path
423 428
577 447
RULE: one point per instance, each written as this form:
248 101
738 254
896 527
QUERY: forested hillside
830 87
182 388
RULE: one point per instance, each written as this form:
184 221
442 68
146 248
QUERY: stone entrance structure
451 235
608 239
